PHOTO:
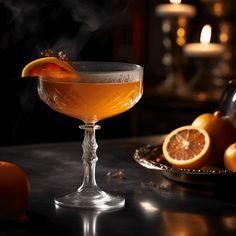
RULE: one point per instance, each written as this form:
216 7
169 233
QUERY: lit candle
175 8
204 48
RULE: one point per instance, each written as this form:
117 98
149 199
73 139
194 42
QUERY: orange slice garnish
187 147
50 64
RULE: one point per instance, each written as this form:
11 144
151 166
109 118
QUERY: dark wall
108 30
95 30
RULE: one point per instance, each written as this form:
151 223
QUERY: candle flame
175 1
206 34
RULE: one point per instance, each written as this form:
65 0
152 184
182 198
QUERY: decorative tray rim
145 157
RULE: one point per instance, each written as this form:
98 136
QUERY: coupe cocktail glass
99 90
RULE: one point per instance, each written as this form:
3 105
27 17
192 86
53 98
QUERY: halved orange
50 64
187 147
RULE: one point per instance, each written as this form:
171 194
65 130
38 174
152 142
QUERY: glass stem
89 157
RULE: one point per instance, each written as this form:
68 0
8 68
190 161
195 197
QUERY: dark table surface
155 205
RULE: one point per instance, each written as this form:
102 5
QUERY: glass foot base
91 199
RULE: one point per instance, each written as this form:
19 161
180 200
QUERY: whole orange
230 157
221 131
14 191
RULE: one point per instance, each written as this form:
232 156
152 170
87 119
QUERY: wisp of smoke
23 17
27 19
91 16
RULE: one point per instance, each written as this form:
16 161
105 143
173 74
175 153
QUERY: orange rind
14 192
48 66
230 157
221 131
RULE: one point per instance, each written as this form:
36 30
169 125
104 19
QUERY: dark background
112 30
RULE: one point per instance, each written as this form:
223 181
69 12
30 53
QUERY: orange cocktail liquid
90 102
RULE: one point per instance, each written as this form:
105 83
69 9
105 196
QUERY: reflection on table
155 205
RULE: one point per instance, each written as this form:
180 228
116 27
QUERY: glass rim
137 66
94 69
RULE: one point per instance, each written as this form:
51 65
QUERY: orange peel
230 157
50 64
15 191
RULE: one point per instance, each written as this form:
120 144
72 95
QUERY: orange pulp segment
187 147
49 65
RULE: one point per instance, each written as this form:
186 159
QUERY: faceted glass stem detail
89 195
89 157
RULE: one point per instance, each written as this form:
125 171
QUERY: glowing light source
204 48
175 8
206 34
175 1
